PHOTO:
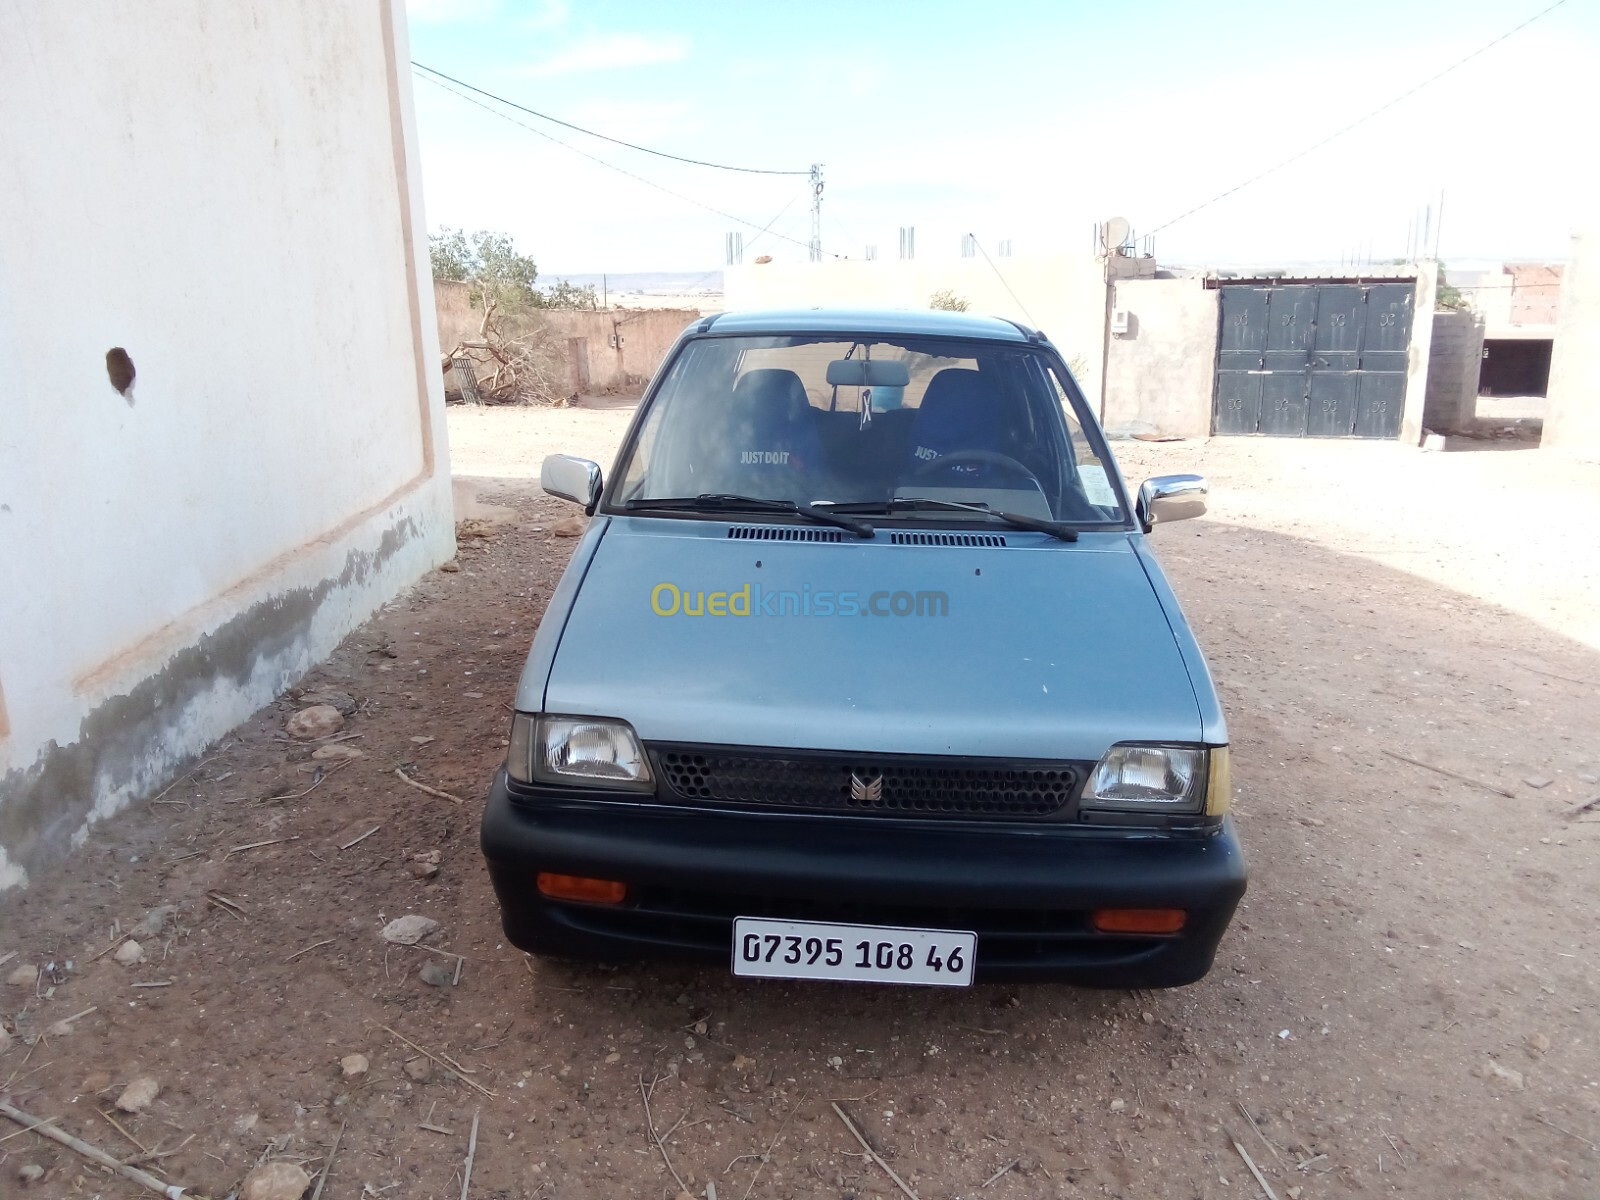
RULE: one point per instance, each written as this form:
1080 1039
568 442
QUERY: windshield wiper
1058 529
727 502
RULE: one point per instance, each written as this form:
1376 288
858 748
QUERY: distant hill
649 283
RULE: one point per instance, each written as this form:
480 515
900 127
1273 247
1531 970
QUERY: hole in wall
119 368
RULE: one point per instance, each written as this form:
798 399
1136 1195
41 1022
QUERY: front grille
873 785
783 533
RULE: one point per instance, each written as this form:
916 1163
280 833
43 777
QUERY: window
988 424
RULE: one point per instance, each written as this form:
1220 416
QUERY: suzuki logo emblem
863 789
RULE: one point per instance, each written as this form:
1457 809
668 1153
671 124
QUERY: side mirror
571 478
1171 498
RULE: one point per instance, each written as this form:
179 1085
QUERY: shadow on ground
1404 1006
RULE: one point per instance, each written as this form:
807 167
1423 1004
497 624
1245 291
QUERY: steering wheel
988 457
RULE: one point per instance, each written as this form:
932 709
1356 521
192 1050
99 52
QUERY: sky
1011 120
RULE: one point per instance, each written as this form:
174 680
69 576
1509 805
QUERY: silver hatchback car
864 671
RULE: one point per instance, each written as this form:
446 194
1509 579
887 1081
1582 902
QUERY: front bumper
1026 890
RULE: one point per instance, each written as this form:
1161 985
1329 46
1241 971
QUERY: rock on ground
139 1094
343 701
129 953
275 1181
318 721
353 1066
408 931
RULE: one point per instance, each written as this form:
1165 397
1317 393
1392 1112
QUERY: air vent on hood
784 533
947 539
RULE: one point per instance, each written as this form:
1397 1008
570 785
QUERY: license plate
857 953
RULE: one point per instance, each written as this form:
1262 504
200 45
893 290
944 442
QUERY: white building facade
223 199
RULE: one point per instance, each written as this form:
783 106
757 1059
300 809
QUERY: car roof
923 323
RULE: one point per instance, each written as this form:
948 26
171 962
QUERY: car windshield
874 424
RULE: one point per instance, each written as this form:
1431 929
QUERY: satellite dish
1113 233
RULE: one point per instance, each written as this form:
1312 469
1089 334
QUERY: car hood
1045 649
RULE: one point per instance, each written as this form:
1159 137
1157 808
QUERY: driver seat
958 412
769 445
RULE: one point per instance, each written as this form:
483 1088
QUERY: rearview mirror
866 372
571 478
1171 498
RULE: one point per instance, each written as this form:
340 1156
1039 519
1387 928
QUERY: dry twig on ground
873 1154
656 1139
422 787
93 1153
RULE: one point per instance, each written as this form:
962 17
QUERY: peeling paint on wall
129 744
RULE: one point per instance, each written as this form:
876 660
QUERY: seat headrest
957 413
771 393
770 425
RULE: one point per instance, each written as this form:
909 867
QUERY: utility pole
816 212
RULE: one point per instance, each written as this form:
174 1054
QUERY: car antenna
1002 279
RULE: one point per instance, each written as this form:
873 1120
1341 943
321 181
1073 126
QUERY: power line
1359 121
727 216
1001 278
695 162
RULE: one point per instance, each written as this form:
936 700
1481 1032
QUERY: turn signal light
579 887
1137 920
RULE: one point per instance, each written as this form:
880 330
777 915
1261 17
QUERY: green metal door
1312 359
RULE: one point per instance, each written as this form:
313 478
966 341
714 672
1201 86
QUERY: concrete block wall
1453 367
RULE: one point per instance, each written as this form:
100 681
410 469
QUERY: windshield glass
837 421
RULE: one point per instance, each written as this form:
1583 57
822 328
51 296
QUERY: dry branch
322 1176
1488 787
528 368
472 1151
655 1138
873 1154
93 1153
422 787
443 1060
1254 1170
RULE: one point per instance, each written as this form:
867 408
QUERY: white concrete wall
228 192
1420 351
1062 295
1161 374
1572 417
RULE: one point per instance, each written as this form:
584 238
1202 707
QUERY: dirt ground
1406 1005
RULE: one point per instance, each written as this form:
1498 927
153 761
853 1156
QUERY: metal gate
1313 360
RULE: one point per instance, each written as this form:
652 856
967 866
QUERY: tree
489 263
450 255
948 301
563 294
1448 295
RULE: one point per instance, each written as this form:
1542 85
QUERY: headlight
583 750
1155 779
